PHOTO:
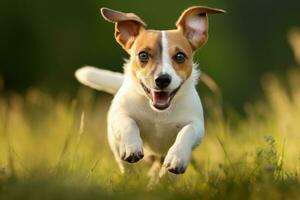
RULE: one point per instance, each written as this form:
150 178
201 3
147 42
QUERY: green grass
49 149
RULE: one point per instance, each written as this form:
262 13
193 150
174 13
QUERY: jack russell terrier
156 108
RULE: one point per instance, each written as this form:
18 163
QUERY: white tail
100 79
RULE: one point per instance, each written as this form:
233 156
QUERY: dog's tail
100 79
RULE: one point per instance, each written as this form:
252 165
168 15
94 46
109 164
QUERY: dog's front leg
179 154
127 135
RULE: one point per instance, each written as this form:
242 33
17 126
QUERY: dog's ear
127 26
193 22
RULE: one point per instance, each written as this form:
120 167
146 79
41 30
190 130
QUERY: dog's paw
131 152
177 159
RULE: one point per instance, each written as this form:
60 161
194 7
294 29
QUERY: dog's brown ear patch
127 26
193 22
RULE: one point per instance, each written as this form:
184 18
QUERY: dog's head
161 60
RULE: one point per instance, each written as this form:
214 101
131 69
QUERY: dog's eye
179 57
144 57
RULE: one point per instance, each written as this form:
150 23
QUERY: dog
156 108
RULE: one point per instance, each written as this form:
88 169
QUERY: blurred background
44 41
52 129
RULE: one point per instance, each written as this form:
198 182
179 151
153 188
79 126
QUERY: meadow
56 148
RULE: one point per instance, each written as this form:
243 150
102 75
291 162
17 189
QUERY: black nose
162 81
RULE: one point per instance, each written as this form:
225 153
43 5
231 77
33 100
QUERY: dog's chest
159 132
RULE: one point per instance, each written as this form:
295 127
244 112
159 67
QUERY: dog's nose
163 81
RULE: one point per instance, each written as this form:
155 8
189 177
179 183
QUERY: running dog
156 108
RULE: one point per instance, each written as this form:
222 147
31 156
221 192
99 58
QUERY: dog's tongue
160 100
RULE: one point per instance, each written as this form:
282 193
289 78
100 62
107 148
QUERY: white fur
100 79
166 63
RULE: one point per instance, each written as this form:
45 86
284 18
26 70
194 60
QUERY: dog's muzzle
160 99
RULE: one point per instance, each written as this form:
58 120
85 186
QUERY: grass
56 148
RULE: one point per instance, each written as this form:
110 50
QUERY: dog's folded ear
193 22
127 26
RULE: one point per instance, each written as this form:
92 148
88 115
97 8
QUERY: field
56 148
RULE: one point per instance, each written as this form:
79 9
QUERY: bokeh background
53 130
42 42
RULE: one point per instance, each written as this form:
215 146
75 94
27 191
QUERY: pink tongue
160 98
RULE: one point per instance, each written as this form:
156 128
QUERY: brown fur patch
149 41
178 43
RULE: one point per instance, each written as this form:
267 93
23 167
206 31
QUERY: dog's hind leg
153 173
154 169
158 173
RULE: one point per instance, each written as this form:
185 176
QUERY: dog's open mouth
160 100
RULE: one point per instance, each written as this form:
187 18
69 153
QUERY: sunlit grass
56 148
